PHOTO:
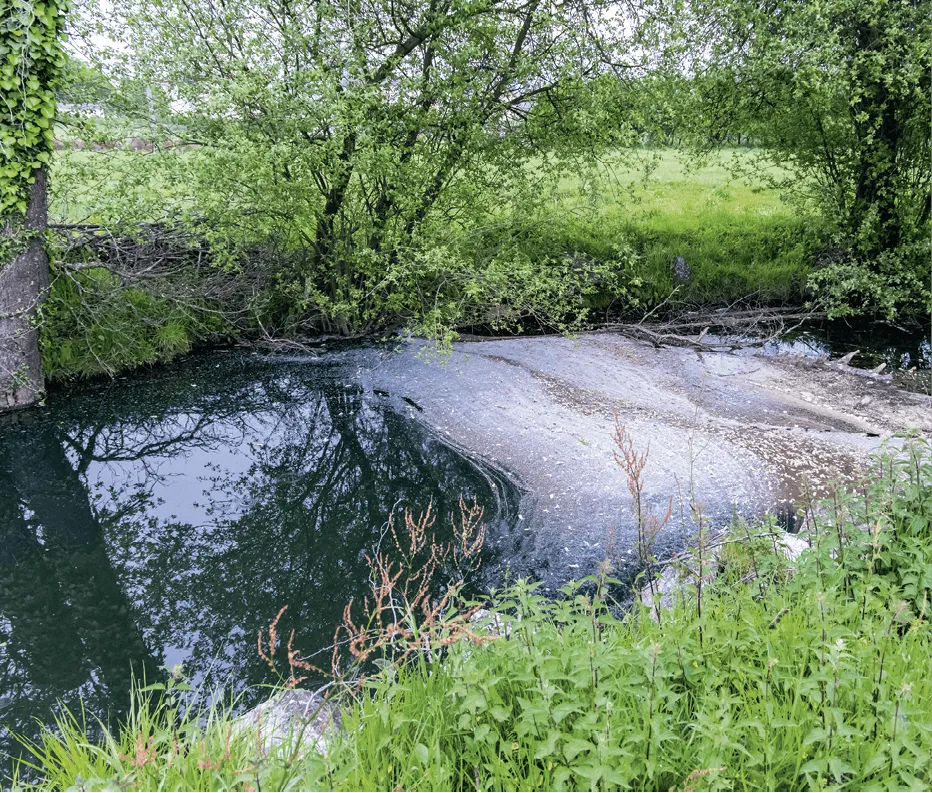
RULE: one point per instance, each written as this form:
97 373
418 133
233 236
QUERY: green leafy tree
838 93
353 140
80 86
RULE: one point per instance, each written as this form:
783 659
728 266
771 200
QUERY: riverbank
767 676
591 245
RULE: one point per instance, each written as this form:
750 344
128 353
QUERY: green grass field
660 189
739 238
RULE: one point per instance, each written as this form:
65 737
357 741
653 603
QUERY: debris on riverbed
730 329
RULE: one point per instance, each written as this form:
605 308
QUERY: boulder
293 717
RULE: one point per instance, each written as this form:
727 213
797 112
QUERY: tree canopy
346 133
840 91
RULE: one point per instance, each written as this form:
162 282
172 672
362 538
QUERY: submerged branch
745 328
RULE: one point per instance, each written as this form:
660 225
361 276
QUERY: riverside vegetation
592 248
761 674
288 173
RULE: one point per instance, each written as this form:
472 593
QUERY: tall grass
815 675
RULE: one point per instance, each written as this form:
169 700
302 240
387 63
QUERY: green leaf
812 767
563 710
482 732
840 768
547 747
575 746
499 713
816 735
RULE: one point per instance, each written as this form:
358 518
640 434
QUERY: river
163 518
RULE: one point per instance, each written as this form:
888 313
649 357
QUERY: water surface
163 519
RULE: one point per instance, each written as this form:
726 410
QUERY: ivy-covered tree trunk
23 283
31 61
877 132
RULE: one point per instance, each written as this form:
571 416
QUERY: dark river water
164 519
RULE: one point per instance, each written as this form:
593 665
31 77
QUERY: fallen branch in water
747 327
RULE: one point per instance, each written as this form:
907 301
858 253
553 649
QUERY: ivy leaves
31 59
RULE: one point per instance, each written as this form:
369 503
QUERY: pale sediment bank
741 431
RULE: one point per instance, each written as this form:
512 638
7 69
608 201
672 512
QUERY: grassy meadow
739 238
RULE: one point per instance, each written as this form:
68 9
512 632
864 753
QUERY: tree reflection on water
164 520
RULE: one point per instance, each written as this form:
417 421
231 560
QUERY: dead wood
730 329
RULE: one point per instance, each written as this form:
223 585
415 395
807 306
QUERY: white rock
793 545
293 718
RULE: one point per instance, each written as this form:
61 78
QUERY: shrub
891 284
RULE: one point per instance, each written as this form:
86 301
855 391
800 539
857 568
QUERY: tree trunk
324 241
876 189
23 283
